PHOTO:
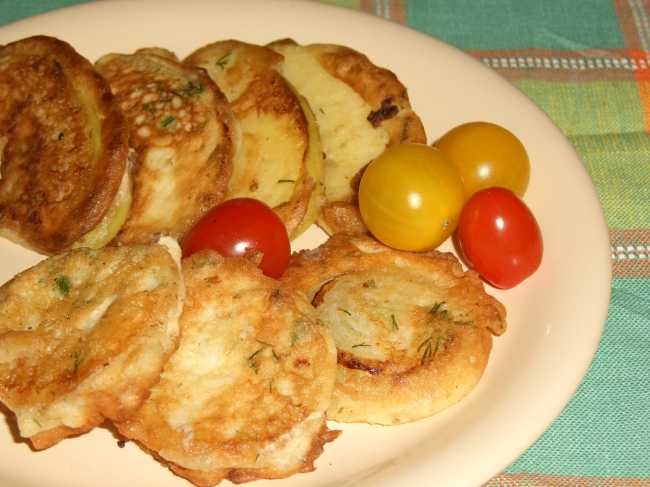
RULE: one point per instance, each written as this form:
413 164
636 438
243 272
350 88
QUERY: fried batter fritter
63 147
245 394
361 109
280 161
84 335
413 331
183 132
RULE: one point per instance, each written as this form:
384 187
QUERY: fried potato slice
63 148
245 394
280 160
84 335
183 132
360 108
413 331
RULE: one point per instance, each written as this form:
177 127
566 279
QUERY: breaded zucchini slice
244 396
360 108
63 149
280 159
413 331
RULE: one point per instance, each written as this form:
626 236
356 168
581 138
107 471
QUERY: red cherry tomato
242 226
498 237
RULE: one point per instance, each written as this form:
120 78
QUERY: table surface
587 65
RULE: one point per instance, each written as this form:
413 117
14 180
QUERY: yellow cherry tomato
410 197
487 155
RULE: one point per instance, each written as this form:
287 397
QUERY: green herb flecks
370 284
223 60
428 350
190 89
393 323
149 107
286 181
252 359
63 285
268 345
77 359
167 121
294 338
345 311
436 307
360 345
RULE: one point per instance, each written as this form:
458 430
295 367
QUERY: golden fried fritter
413 331
63 148
183 132
280 161
84 335
245 394
360 108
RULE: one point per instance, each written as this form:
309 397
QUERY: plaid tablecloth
587 64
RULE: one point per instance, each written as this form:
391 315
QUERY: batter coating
280 160
413 331
84 335
63 148
245 394
183 133
360 108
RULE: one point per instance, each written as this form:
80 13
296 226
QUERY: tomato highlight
410 197
498 237
243 227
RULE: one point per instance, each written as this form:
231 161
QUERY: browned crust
53 189
310 270
243 475
267 92
91 367
213 283
456 359
210 175
391 110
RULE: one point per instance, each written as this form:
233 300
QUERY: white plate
555 318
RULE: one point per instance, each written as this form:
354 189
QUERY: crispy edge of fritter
312 271
111 164
243 475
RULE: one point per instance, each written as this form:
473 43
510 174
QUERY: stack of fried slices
216 370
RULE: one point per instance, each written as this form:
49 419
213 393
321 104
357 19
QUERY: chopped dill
360 345
436 308
223 60
191 88
167 121
393 323
428 350
345 311
77 358
63 285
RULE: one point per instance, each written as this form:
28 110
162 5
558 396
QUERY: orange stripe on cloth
630 252
368 6
537 480
394 10
642 76
398 11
